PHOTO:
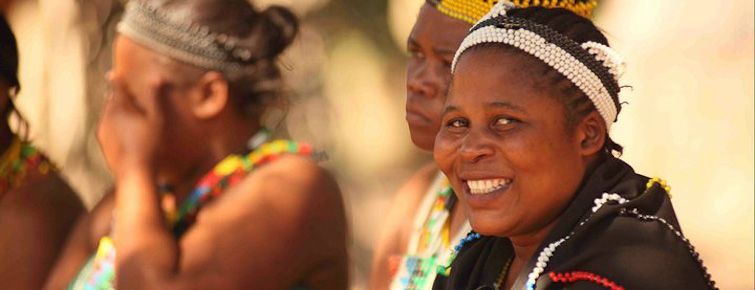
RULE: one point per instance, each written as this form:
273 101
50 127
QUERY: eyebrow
444 51
411 41
507 105
449 109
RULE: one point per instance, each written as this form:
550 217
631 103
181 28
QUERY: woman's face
432 44
141 73
505 145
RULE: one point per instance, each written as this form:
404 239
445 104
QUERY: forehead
488 73
438 30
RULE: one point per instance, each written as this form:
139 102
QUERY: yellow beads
471 11
660 182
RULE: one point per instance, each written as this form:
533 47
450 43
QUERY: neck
232 138
525 245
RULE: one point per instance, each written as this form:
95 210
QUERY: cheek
445 152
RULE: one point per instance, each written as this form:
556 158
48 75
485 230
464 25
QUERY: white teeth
486 185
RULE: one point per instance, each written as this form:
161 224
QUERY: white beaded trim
551 54
610 59
599 202
546 254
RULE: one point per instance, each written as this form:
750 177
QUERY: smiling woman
524 142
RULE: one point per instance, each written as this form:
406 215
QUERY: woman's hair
8 54
578 29
266 34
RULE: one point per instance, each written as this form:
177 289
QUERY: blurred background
689 117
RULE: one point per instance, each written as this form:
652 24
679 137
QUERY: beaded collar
20 159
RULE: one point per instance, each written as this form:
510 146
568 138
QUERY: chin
490 226
422 141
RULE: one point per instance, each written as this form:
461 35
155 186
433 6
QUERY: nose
420 81
476 146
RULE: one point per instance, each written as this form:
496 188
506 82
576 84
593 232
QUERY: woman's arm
34 222
398 228
282 223
81 243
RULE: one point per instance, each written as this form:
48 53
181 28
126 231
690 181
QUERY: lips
414 116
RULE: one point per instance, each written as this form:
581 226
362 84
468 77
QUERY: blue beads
469 238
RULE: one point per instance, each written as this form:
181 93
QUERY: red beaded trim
574 276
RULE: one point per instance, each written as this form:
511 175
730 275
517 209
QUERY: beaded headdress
594 68
180 39
472 10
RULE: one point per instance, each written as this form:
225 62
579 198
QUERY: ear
592 132
211 95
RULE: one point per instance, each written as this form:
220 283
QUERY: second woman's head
527 115
213 63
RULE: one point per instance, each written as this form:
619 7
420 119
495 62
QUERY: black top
634 245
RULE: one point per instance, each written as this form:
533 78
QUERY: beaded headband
182 40
472 10
594 68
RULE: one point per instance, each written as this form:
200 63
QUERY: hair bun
283 27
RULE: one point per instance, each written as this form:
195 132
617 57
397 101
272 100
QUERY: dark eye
457 124
415 54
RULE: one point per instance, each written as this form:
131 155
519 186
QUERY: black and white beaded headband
594 68
184 41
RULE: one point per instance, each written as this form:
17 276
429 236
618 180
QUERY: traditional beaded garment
18 161
99 271
428 248
471 11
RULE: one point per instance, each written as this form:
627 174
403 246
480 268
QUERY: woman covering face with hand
203 198
524 142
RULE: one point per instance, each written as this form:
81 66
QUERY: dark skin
35 219
428 76
223 249
500 122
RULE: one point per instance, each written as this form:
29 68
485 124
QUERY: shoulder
639 252
43 198
411 193
292 192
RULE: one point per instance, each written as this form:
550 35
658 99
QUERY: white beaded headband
184 41
594 68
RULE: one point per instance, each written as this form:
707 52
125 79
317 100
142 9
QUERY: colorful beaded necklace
426 251
99 271
18 161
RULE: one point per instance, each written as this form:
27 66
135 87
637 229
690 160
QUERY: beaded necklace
99 271
20 159
427 249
